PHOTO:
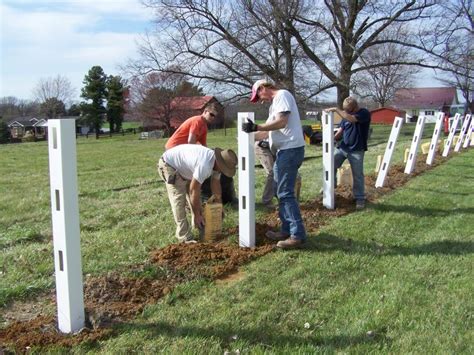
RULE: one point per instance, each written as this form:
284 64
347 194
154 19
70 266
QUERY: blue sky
41 39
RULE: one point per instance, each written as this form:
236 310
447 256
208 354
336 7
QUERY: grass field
396 277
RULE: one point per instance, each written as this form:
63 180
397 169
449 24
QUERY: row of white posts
65 207
465 136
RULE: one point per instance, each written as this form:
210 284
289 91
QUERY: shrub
4 132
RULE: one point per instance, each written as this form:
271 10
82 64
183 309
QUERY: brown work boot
276 236
290 243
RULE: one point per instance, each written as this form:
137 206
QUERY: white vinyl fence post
328 160
246 182
434 138
415 144
469 132
392 140
451 135
65 219
462 134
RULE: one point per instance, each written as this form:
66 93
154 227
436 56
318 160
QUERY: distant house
425 101
184 107
385 115
21 126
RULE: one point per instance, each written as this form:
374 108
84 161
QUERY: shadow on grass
118 189
462 165
420 211
456 177
264 337
29 238
325 242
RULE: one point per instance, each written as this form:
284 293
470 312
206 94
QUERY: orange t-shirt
194 125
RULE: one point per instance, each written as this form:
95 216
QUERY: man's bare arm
280 122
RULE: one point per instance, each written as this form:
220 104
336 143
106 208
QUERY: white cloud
45 38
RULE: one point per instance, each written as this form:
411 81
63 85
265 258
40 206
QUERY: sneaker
276 236
360 204
290 243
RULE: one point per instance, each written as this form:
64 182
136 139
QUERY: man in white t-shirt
184 168
285 134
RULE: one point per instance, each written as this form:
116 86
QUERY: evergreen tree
4 131
94 92
74 110
115 102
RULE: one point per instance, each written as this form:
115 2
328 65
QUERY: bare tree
224 46
349 29
379 83
307 46
12 107
53 90
151 97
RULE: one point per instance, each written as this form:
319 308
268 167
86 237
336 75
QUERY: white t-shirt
290 136
191 161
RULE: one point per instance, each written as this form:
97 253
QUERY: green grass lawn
396 277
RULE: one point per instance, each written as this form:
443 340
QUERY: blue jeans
356 159
286 167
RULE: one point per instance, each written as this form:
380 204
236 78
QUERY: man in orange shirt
194 129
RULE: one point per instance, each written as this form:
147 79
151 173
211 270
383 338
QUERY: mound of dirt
116 296
41 332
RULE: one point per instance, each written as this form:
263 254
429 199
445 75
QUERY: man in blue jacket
354 131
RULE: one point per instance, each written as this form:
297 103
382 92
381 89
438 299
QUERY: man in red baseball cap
285 135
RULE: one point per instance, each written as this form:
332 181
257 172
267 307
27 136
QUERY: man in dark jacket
354 132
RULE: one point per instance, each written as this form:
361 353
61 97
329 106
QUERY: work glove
249 127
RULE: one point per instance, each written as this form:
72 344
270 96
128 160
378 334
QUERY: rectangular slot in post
327 148
55 138
243 163
61 261
58 203
327 175
244 203
384 166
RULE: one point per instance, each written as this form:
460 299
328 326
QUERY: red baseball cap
254 97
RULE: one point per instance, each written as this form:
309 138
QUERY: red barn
385 115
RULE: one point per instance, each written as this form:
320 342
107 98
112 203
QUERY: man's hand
249 127
199 222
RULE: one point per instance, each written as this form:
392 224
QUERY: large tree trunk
342 93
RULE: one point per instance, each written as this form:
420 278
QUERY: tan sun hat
226 161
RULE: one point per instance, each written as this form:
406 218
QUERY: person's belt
164 161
